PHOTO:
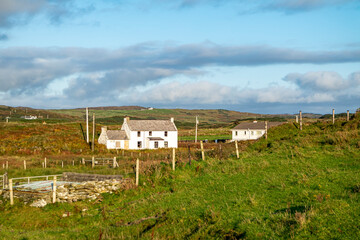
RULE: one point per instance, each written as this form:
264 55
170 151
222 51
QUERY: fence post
83 161
24 164
73 163
333 116
202 150
173 159
297 119
300 115
93 162
347 116
137 172
114 162
62 164
266 129
11 192
54 190
237 149
7 165
45 163
189 154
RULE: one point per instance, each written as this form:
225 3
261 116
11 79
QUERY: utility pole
93 136
196 128
87 125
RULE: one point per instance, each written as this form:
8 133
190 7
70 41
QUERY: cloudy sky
261 56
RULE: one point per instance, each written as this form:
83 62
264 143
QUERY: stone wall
72 192
83 177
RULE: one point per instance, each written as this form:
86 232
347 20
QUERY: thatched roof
256 125
116 135
151 125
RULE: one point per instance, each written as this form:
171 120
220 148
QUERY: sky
260 56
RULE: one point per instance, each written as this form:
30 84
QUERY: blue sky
246 55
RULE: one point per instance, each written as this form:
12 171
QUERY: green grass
297 184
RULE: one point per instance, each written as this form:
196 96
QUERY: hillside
297 184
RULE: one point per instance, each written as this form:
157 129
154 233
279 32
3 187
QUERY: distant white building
251 130
141 134
30 117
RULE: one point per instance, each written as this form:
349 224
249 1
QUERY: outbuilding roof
116 135
151 125
256 125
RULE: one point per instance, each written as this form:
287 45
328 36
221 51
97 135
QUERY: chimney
126 119
172 119
103 129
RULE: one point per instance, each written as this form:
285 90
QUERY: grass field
297 184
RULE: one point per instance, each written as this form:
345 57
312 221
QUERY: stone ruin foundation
77 187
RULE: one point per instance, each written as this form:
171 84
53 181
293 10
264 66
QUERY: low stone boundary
72 192
84 177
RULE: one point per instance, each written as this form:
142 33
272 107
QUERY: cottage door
126 144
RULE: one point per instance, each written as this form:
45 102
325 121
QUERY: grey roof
151 125
256 125
116 135
155 139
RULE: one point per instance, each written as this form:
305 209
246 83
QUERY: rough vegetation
297 184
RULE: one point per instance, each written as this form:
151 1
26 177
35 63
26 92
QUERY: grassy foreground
293 185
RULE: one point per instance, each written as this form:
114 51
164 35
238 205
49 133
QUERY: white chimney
103 129
172 119
126 119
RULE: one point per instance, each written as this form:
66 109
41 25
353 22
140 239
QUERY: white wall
172 139
111 144
247 134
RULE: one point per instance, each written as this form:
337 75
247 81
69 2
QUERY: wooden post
87 125
114 162
202 150
93 162
24 164
137 172
73 163
54 190
347 116
42 163
93 137
11 192
266 129
196 128
62 164
173 159
45 163
7 165
83 161
3 165
297 119
333 116
7 119
189 155
237 149
300 115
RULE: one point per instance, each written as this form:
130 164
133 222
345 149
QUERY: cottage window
166 134
166 144
150 133
252 132
139 144
235 133
139 133
156 144
258 132
244 132
117 144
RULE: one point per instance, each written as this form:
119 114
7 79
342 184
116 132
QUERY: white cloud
323 81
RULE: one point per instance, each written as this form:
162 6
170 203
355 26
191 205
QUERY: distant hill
118 108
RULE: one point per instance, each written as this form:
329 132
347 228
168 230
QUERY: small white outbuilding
251 130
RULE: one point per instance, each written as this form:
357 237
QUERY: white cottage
141 134
251 130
